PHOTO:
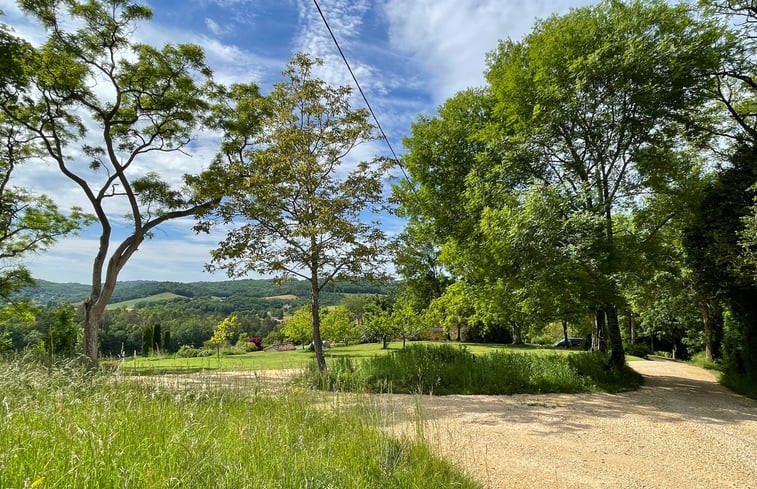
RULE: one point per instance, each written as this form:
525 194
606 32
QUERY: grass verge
72 428
443 369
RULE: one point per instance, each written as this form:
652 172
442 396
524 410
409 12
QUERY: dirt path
681 430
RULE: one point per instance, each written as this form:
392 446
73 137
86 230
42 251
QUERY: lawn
274 360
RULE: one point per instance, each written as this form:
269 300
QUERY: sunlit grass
299 358
446 369
72 428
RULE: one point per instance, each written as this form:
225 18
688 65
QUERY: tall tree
103 108
300 213
597 103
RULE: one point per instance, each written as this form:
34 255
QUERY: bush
699 360
186 351
637 349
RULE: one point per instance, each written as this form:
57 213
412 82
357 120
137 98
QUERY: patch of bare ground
680 430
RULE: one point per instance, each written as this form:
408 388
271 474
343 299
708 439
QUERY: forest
600 184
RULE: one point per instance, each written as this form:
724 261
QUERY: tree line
605 174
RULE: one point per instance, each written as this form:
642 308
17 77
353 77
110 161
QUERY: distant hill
134 293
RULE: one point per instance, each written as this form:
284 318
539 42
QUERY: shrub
186 351
637 349
699 360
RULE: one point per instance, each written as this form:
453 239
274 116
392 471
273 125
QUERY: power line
365 99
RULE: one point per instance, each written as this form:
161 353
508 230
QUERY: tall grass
69 428
446 369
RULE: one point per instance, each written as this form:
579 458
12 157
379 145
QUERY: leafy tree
378 323
596 103
717 257
340 325
416 259
28 223
147 103
408 322
166 342
223 332
301 214
299 327
62 332
442 152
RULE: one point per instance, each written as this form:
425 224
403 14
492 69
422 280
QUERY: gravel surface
681 430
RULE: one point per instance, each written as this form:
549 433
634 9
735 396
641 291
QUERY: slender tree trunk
617 355
631 327
708 333
315 304
565 332
458 333
598 339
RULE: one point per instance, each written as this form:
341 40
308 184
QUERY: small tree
298 328
147 339
223 332
378 323
62 332
340 325
303 214
166 344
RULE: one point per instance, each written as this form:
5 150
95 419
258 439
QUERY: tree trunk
458 333
617 355
517 337
708 333
598 339
315 304
631 327
565 332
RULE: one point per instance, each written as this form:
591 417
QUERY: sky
408 55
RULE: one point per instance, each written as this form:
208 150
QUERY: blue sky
409 56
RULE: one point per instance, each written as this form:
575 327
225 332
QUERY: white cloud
215 28
449 39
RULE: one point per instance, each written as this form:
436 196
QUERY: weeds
446 369
67 427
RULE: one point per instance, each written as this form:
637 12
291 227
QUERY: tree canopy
297 204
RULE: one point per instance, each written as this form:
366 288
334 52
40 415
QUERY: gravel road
681 430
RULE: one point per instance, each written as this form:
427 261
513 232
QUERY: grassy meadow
66 427
299 358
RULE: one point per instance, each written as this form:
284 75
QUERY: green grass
273 360
446 369
162 297
71 428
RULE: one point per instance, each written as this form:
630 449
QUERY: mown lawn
274 360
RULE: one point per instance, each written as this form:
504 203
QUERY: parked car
571 342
